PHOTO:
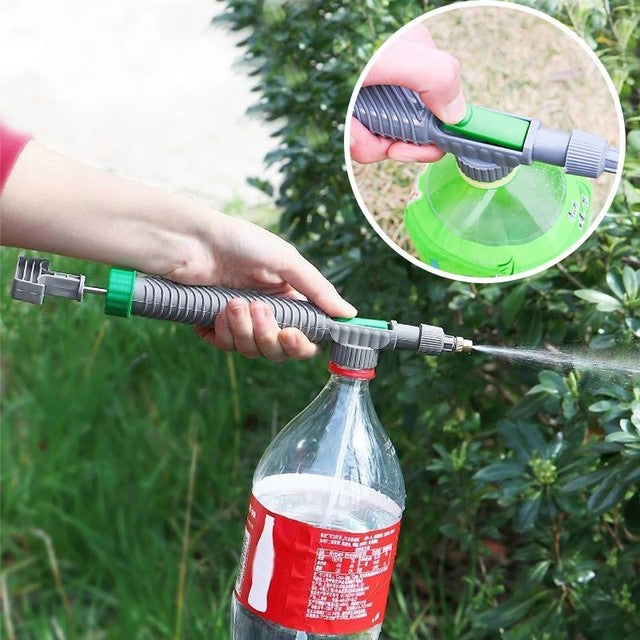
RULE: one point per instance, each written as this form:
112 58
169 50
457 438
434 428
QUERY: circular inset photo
484 141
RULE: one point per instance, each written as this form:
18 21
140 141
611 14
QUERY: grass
127 454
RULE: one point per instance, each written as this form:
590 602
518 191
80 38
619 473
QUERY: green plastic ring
120 292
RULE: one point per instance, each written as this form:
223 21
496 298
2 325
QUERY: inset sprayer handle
487 143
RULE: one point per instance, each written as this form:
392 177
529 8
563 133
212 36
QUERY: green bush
523 517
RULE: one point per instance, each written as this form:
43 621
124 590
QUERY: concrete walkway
147 89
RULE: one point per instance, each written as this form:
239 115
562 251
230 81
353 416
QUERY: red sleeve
11 144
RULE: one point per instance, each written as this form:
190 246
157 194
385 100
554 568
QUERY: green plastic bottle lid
494 127
120 292
365 322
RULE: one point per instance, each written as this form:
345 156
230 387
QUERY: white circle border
621 132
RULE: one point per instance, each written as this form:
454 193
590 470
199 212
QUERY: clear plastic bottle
323 523
492 229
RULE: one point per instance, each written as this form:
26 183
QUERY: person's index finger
306 279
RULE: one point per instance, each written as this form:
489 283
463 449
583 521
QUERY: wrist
181 240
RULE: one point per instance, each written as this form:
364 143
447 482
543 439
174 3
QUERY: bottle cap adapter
353 356
487 144
355 341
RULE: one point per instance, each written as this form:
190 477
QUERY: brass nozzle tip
463 345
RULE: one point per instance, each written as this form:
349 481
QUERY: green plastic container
501 229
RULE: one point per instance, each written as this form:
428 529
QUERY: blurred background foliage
128 447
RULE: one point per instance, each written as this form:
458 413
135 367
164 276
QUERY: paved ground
144 88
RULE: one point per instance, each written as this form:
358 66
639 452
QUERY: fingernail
352 310
456 110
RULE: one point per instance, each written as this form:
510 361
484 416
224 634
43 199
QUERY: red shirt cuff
11 145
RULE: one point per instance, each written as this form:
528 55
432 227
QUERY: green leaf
634 325
603 301
584 481
539 571
623 438
512 304
607 494
631 512
522 438
630 280
509 612
499 471
631 472
260 183
553 381
633 141
528 512
601 406
569 407
614 284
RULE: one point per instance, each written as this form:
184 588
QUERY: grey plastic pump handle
399 113
166 300
355 343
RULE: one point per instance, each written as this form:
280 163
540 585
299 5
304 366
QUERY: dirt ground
510 61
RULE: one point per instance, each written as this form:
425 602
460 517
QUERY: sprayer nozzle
611 160
463 345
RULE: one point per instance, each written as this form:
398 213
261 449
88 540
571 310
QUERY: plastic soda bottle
324 518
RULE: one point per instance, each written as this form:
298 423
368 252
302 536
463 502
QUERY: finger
366 147
205 333
418 34
408 152
305 278
241 327
296 345
220 336
266 331
434 74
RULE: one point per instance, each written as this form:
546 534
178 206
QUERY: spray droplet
628 365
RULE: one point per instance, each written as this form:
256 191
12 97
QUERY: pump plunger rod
128 293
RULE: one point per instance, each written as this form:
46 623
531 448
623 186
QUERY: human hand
54 204
412 60
243 255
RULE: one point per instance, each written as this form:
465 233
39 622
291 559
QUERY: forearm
55 204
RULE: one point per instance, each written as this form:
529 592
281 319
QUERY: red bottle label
312 579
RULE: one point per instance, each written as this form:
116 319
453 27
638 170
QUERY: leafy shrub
523 516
